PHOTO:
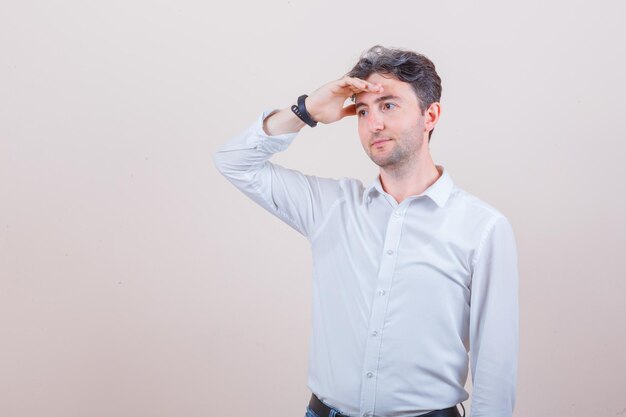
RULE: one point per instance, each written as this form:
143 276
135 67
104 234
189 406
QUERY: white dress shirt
401 292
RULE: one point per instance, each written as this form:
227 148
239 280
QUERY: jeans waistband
323 410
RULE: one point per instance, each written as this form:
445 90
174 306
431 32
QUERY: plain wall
135 281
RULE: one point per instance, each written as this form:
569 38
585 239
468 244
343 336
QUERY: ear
431 116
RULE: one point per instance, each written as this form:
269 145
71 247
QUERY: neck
407 180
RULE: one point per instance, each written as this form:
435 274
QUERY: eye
361 113
389 106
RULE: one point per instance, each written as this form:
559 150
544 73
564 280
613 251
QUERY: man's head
407 66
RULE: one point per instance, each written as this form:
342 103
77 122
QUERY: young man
411 273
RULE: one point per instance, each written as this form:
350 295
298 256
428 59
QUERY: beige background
135 281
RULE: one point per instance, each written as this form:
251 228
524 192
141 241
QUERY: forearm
281 122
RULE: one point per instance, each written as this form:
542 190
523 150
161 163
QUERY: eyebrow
379 99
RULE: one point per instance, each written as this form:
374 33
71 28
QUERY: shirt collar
439 191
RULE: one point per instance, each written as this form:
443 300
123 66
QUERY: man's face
391 124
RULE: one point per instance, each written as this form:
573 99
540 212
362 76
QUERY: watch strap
301 111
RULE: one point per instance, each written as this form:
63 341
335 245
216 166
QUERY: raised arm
297 199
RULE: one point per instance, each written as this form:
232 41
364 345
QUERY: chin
379 161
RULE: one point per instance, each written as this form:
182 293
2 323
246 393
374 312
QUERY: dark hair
407 66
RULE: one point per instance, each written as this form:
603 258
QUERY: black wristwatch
302 113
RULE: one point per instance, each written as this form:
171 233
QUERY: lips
380 141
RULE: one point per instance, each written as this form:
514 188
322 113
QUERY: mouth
381 141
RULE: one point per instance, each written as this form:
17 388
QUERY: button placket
379 311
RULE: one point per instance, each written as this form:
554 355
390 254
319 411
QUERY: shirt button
398 213
389 252
369 374
382 292
374 333
368 414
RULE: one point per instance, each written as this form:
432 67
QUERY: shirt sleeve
299 200
494 322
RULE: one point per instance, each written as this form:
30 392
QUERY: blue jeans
311 413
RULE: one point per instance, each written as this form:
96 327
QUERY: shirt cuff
269 143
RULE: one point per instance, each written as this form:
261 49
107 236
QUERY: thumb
348 111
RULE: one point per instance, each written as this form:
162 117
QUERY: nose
375 122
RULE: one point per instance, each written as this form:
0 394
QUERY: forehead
391 86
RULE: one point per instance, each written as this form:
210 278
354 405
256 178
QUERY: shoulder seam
477 202
483 238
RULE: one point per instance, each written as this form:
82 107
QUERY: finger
372 88
361 85
347 81
351 86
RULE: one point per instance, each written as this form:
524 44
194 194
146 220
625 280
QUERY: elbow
231 167
223 164
218 162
